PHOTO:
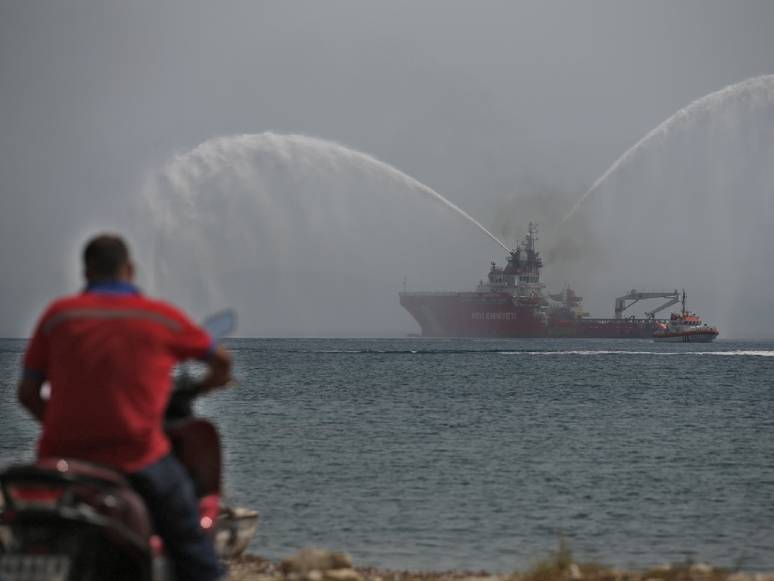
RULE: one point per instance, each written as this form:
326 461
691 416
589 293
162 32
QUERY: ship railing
430 293
608 321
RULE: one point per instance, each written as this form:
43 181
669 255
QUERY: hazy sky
476 99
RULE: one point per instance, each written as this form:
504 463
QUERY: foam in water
690 206
551 353
303 236
598 352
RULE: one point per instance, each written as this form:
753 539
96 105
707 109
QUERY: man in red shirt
108 354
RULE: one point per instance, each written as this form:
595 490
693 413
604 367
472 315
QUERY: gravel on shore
321 565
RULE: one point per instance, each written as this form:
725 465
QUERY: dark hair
104 256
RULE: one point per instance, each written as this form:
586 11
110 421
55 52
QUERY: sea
433 454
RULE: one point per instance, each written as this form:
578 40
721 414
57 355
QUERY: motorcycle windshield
220 324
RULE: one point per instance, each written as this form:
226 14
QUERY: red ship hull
512 303
495 314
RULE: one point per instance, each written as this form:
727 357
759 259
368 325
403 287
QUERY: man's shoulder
163 308
88 300
63 303
159 305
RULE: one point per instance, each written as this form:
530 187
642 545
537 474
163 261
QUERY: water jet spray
289 217
757 86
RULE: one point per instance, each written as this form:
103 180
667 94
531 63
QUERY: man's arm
30 398
219 372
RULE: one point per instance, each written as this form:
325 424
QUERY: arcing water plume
304 151
303 236
691 206
754 91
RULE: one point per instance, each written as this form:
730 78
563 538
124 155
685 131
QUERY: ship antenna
532 235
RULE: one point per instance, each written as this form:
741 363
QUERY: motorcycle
65 520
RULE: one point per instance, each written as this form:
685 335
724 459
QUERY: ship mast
533 263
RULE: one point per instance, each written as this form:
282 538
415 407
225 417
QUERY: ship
513 302
685 327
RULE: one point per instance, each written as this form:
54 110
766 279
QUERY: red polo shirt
108 354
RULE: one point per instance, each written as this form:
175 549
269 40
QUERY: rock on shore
324 565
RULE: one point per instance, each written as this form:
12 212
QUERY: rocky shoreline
323 565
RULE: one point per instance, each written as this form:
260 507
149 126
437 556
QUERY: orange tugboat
685 327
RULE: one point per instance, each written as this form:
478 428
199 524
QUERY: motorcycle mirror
220 324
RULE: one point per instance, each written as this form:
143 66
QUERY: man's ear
130 270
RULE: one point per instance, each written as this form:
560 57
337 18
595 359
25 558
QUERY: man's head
106 257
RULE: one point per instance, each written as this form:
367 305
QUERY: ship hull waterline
696 337
488 314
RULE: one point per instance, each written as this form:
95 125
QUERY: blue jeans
168 492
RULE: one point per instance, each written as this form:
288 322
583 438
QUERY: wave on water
543 352
665 353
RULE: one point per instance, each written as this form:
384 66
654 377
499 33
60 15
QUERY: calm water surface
416 453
